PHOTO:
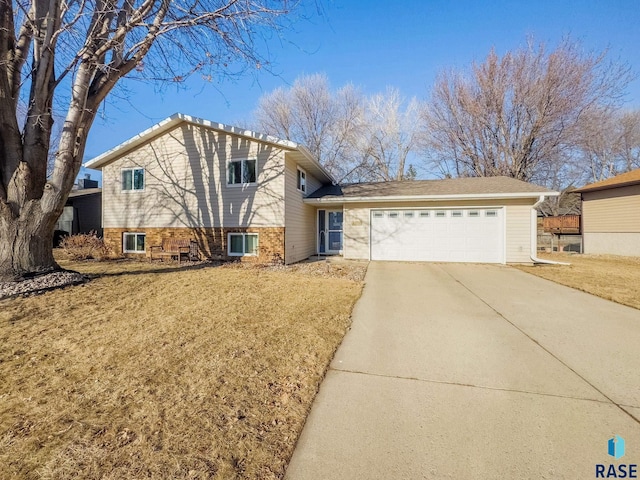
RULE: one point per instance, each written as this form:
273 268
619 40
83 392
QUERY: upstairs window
241 172
302 180
132 179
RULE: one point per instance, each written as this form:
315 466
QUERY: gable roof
622 180
451 188
303 154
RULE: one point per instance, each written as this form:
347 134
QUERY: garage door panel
445 235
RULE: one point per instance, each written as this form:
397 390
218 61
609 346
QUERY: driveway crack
469 385
553 355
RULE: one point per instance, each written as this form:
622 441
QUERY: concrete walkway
474 372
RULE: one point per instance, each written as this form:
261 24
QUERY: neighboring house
255 197
83 211
611 215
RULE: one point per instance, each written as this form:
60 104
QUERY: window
393 214
241 244
456 213
302 180
490 213
133 242
378 214
424 213
441 214
474 213
241 172
133 179
408 214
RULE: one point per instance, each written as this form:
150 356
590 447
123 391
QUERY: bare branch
513 115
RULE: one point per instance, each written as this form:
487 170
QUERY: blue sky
376 43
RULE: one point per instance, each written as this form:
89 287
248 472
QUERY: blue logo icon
616 447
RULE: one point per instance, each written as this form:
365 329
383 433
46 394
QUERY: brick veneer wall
211 241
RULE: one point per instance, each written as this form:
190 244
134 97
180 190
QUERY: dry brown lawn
607 276
160 372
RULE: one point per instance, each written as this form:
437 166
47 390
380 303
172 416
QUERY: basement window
491 213
408 214
393 214
378 214
424 213
241 244
441 214
456 213
474 213
133 242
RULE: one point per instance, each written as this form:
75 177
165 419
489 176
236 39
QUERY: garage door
438 235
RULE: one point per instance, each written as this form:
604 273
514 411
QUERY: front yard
607 276
158 372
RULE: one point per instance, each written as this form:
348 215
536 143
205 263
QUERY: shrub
84 246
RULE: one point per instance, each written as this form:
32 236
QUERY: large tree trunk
26 246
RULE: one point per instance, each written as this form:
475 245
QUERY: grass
159 372
612 277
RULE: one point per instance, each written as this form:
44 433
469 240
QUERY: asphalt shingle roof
450 186
629 178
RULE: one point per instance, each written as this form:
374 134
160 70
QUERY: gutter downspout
534 236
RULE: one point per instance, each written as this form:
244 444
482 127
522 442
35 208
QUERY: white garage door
438 235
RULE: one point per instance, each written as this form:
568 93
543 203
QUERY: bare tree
356 138
66 56
609 143
390 133
512 114
630 139
324 121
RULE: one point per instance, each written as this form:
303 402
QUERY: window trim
242 162
132 170
124 243
243 235
301 175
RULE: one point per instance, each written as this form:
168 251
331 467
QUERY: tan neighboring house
611 215
243 195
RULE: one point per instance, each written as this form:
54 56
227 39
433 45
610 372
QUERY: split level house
243 195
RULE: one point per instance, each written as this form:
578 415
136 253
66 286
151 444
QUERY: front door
330 231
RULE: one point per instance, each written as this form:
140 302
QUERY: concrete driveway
475 372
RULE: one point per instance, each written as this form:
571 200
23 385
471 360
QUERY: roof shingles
624 179
420 188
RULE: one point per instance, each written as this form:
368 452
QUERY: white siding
300 218
186 185
518 226
517 231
